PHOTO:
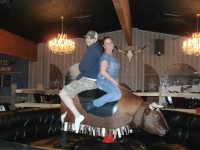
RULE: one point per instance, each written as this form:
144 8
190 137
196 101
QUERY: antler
144 47
130 52
138 51
120 50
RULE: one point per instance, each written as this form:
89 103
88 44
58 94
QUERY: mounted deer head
130 51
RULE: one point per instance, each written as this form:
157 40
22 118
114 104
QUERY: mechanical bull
116 118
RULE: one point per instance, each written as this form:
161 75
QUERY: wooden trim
14 45
123 12
13 96
32 91
186 95
191 111
37 105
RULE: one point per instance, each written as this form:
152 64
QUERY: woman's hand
116 83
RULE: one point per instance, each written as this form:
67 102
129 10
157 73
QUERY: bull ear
147 111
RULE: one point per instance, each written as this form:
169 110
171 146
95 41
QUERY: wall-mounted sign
5 66
4 62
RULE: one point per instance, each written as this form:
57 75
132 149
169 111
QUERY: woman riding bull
107 79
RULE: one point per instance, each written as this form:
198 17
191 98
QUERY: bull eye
157 117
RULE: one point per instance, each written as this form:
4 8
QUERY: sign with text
5 66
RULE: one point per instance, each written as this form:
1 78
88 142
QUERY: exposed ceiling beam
123 12
14 45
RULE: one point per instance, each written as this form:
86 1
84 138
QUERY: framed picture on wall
7 80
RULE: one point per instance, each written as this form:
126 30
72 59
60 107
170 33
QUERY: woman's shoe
90 107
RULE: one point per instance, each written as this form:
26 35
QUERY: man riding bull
89 68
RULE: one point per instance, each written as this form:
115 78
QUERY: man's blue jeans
113 92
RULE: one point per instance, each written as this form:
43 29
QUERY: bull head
153 120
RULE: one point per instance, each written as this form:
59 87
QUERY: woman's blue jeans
113 92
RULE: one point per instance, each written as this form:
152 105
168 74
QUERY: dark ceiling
39 20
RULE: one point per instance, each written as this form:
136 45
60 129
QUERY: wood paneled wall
39 72
131 73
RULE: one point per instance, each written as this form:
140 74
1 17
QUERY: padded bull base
139 140
5 145
184 133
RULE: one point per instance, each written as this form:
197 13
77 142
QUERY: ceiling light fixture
192 46
61 45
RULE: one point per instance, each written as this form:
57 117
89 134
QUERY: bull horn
119 49
143 47
153 106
